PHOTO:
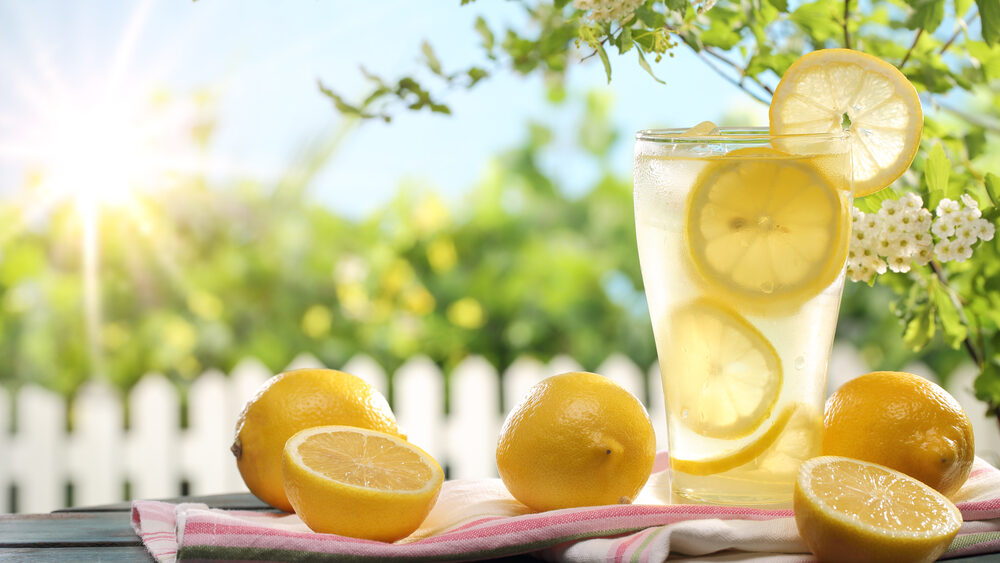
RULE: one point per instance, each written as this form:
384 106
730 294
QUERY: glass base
690 489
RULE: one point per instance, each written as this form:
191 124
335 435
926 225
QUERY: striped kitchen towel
478 519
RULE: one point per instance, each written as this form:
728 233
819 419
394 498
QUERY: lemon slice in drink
767 230
851 510
831 90
358 482
800 440
724 375
742 456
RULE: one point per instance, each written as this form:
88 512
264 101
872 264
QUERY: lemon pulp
767 229
725 377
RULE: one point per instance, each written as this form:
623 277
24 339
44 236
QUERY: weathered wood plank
125 554
230 501
68 530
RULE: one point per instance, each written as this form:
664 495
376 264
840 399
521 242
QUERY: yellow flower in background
179 336
430 215
418 300
353 299
316 321
442 255
114 335
397 276
466 313
189 367
381 308
205 305
351 268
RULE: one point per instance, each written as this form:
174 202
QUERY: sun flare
94 153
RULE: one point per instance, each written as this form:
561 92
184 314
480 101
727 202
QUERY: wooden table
103 533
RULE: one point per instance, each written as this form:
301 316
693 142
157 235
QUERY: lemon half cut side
852 510
359 483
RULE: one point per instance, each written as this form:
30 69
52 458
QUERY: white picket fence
41 461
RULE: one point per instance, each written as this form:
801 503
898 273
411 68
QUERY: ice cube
703 128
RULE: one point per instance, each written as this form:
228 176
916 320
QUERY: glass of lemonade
742 239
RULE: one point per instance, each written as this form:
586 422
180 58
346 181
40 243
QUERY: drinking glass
742 240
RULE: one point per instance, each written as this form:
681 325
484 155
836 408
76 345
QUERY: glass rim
730 135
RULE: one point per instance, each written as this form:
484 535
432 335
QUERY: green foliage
203 276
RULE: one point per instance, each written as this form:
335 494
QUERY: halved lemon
723 377
851 510
766 229
359 483
831 90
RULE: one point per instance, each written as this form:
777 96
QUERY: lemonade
742 240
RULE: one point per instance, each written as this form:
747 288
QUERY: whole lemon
576 439
904 422
293 401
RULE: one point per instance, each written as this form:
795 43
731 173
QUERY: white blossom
607 11
903 233
984 229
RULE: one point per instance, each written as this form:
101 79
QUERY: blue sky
262 59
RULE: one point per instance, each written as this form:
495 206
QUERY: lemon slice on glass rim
833 90
767 230
725 377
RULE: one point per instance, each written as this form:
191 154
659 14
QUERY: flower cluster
900 234
959 227
607 11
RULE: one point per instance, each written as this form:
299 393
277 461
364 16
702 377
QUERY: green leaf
954 329
676 5
872 203
624 41
604 60
476 74
993 188
927 14
645 66
920 330
961 7
988 57
489 41
975 142
433 62
349 109
989 13
987 384
720 34
781 5
819 20
936 173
